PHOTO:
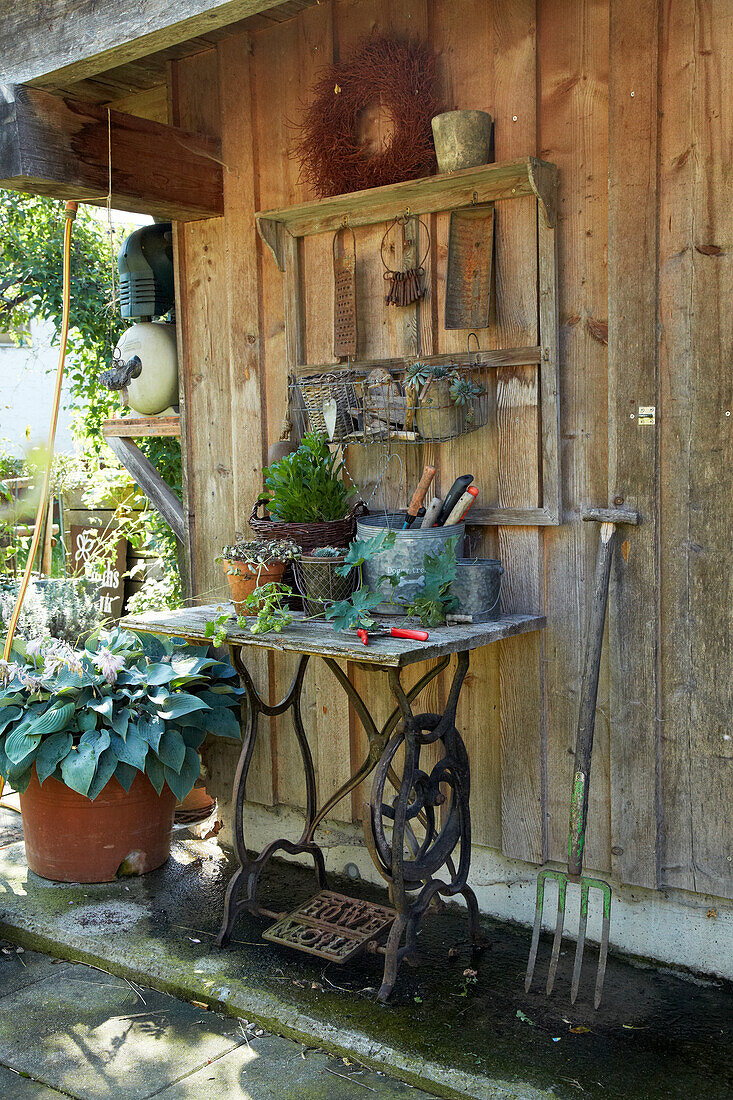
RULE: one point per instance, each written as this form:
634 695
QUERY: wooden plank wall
632 101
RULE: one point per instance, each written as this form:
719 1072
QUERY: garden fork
609 519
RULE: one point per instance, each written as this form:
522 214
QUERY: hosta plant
125 703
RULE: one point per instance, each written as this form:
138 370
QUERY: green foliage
434 601
31 232
259 552
306 486
464 390
357 612
57 608
125 702
420 374
363 550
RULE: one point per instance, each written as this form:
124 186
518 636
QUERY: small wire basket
423 403
319 584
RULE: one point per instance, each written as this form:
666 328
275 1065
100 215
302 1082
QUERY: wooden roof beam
52 42
57 146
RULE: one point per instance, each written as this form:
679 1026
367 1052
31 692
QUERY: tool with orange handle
418 496
462 506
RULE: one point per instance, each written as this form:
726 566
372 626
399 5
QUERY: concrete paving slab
272 1068
91 1035
456 1026
19 969
15 1087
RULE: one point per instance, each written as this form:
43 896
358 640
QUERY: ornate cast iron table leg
412 879
246 877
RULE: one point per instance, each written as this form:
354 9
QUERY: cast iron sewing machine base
407 858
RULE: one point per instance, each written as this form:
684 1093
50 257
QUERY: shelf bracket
144 474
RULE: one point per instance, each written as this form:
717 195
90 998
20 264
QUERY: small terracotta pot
250 576
70 838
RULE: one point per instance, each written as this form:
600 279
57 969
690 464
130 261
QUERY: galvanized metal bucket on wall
478 587
407 555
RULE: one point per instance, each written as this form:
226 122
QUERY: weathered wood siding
632 101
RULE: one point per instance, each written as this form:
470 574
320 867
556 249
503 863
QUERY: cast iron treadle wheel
411 877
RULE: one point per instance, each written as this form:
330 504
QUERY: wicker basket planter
309 536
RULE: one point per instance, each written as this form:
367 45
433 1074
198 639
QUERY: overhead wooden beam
144 474
47 42
57 146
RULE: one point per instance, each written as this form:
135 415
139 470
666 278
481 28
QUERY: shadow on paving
656 1034
95 1036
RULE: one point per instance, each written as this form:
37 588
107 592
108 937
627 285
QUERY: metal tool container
478 587
407 555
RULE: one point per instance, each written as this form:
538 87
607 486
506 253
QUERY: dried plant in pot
251 563
101 741
319 579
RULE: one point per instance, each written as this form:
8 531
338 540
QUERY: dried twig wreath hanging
401 76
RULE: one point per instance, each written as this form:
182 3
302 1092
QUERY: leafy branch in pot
306 486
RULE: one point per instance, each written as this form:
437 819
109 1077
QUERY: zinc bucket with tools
407 555
477 588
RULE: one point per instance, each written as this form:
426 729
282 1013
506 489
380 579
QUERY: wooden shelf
486 183
137 427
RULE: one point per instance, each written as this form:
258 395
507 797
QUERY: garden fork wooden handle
608 518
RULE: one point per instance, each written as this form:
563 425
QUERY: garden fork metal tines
609 519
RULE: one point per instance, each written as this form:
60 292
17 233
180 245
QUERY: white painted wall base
672 927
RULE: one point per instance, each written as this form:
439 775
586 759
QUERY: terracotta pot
70 838
243 584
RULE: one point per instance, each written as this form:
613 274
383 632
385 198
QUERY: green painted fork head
586 883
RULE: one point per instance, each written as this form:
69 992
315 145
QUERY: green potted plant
250 563
306 498
101 741
441 398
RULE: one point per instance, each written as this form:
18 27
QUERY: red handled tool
394 632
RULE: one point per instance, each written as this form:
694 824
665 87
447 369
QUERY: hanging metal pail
478 587
406 556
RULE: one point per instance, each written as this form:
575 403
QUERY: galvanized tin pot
407 555
478 587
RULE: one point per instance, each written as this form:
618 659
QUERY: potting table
331 925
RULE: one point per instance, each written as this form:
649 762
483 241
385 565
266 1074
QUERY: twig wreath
401 77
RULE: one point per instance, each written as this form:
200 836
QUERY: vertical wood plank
573 133
695 453
634 471
204 345
465 84
520 671
241 200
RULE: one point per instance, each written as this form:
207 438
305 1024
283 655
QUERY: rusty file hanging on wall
470 255
344 294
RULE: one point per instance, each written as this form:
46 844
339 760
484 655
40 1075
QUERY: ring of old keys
404 287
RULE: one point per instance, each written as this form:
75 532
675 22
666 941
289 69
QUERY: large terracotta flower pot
243 583
70 838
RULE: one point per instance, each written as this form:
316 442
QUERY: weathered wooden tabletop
320 639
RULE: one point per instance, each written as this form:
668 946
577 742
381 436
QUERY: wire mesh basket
319 583
424 402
